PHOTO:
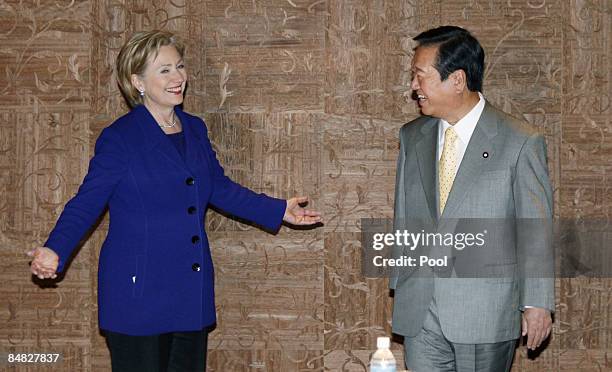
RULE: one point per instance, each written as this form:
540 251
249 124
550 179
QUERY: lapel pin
485 154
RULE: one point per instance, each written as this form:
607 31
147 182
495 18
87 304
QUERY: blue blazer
155 270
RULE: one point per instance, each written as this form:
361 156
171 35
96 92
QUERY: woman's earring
141 93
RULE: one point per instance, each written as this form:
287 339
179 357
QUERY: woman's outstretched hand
44 263
296 215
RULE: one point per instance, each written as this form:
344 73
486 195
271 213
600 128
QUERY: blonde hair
135 54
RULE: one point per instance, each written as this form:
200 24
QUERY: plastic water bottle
383 360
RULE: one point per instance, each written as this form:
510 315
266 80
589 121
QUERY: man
465 159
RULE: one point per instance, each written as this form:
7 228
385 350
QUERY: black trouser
167 352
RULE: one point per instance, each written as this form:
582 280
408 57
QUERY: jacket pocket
138 277
494 175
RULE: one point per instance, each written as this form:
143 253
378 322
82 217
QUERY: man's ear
137 82
459 79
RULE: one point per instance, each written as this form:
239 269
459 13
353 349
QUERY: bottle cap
383 342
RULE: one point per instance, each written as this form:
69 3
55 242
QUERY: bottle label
387 368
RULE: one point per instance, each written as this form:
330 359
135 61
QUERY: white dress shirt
464 129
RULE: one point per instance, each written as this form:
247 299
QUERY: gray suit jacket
510 183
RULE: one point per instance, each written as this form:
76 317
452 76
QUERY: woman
157 172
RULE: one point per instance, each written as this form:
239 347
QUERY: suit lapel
426 157
192 138
157 139
473 160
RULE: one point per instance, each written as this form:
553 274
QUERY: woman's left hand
296 215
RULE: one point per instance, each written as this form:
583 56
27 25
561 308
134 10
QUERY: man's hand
537 325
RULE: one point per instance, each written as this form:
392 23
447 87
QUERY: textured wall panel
264 55
269 291
585 360
368 53
300 97
259 360
269 288
41 70
357 311
587 142
45 93
360 157
278 154
584 310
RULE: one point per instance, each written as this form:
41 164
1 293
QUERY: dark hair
457 50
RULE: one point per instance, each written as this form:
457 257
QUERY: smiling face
434 96
163 80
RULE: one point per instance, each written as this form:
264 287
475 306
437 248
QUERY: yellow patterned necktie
447 168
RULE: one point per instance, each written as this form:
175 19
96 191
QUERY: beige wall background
300 97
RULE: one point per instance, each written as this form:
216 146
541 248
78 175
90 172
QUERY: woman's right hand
44 263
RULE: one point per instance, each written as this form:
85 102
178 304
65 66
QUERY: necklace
168 124
164 124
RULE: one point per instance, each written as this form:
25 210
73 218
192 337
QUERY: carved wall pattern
300 97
